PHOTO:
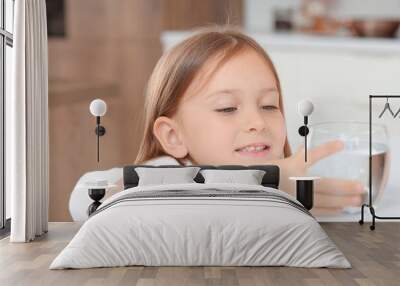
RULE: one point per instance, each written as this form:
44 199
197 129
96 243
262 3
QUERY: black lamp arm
100 131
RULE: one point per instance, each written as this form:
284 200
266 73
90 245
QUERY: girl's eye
231 109
269 107
227 110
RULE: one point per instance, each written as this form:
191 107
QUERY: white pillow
161 176
249 177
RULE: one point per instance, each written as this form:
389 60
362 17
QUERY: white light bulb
305 107
98 107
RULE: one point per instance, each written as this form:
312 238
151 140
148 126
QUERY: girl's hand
330 195
118 188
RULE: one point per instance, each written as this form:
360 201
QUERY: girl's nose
255 121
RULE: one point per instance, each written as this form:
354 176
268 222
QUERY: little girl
216 99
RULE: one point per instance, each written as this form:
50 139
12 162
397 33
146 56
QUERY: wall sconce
98 108
305 185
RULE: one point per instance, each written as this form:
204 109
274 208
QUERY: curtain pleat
15 130
29 160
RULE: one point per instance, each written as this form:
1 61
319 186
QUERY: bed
201 223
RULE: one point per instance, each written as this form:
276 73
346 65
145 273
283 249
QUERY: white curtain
27 148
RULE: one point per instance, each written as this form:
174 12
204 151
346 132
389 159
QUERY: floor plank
374 255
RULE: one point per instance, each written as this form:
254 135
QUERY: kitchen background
335 52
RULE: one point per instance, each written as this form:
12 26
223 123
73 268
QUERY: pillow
160 176
249 177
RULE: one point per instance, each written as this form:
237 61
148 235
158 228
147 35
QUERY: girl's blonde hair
177 68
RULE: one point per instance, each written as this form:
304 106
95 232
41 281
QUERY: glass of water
353 162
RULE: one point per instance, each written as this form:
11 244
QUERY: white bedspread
178 231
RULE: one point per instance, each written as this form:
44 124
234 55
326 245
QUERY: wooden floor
374 255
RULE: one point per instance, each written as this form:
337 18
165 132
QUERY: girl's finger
324 150
325 211
329 201
339 187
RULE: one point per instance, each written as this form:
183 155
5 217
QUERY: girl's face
234 117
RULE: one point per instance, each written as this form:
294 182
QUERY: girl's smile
254 150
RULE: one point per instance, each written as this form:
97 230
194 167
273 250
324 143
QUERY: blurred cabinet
109 51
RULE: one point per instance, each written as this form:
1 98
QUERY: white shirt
79 199
166 160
